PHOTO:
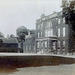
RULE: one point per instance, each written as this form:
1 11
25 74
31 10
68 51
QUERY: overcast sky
16 13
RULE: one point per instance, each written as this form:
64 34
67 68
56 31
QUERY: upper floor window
41 25
45 33
56 18
48 33
49 24
51 32
58 21
34 47
38 44
61 13
63 20
58 32
38 26
38 35
41 44
41 34
63 31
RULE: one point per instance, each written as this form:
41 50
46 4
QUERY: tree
22 32
1 34
11 36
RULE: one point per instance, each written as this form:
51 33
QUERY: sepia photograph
37 37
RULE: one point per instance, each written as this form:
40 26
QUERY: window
41 25
38 35
54 47
38 44
41 44
38 26
26 48
56 18
58 32
63 20
19 45
45 33
29 47
61 13
48 33
58 21
41 34
45 43
50 24
51 32
34 47
63 31
63 45
58 44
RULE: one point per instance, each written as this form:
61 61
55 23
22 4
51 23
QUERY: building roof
9 40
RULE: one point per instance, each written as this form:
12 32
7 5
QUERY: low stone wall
33 61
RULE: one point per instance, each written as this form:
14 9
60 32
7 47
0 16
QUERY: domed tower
21 33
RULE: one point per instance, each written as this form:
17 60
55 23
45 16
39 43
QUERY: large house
52 34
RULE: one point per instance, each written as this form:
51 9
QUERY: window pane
41 34
45 43
41 25
63 31
63 20
63 45
45 33
58 21
38 35
48 33
51 32
58 43
41 44
58 32
38 44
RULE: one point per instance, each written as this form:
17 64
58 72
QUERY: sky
16 13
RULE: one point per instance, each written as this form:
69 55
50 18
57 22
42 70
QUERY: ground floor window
45 43
63 45
54 46
26 48
41 43
29 47
58 44
38 44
